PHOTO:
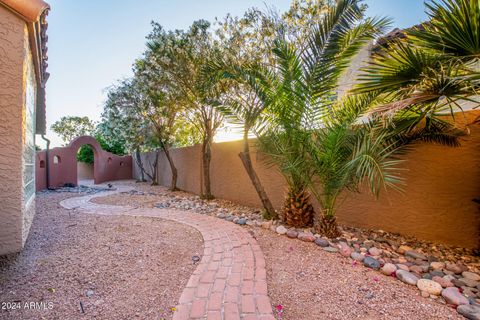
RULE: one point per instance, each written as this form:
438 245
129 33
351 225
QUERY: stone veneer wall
436 204
13 34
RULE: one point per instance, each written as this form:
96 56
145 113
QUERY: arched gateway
62 164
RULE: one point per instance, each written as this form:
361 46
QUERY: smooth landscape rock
469 292
345 249
427 276
322 242
307 237
407 277
403 249
449 277
471 275
402 260
416 269
388 269
402 267
443 282
436 273
292 234
453 296
437 265
330 249
429 286
415 255
242 221
469 282
471 312
371 263
375 251
281 230
455 268
357 256
458 283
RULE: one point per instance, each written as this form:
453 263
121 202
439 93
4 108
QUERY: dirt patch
115 267
312 284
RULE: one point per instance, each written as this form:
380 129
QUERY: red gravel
312 284
134 267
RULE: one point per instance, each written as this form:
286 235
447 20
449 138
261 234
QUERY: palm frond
401 67
453 29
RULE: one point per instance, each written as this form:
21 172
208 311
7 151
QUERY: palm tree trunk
326 224
247 163
298 210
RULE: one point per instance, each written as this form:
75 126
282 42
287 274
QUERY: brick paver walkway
229 281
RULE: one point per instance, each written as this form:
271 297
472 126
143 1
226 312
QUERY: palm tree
349 151
405 92
241 107
433 70
303 78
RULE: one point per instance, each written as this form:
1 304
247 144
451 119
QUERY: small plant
266 215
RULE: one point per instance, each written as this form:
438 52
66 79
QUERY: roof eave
28 10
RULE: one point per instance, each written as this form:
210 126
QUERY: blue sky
94 43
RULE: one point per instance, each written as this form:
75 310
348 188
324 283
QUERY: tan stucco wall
436 204
28 138
12 54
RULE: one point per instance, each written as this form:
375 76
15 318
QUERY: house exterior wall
16 202
349 78
28 139
436 204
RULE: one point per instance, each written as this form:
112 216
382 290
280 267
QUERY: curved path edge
230 280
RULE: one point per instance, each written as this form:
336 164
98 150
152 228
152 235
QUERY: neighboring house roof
396 34
34 13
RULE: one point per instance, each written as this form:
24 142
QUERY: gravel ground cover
310 283
112 267
304 281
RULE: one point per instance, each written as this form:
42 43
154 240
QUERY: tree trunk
154 175
140 164
206 157
173 184
247 163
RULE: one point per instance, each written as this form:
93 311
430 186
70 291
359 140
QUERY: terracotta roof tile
29 10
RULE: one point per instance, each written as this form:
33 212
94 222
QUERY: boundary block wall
436 204
107 166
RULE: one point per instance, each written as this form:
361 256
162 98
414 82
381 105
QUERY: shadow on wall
62 163
436 205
